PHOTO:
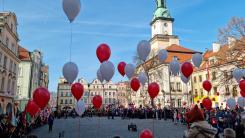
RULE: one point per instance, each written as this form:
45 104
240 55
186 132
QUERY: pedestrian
229 133
50 122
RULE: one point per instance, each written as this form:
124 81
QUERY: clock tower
162 28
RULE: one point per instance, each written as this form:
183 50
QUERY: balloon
242 93
184 79
70 72
143 49
153 90
162 55
175 67
107 70
187 69
197 59
41 97
231 103
146 134
129 70
97 101
135 84
243 72
77 90
237 74
142 78
80 107
241 102
99 76
121 67
71 8
32 108
242 85
207 85
207 103
103 52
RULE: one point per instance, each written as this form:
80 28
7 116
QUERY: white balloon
237 74
184 79
175 67
80 107
142 78
129 70
197 59
231 103
241 102
70 71
143 49
71 8
107 70
99 76
162 55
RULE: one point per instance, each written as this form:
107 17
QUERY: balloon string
70 41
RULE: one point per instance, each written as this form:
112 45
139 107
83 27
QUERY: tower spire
162 10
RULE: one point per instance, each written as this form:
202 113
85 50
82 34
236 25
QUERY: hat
194 115
229 133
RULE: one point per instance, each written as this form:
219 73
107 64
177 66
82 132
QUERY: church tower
162 28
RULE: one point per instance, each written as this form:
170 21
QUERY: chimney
216 47
231 41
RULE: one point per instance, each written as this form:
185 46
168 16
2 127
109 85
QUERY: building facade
8 60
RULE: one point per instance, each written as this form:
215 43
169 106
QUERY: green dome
161 13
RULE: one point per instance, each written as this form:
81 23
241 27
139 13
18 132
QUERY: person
50 122
199 127
229 133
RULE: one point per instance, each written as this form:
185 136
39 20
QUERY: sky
121 24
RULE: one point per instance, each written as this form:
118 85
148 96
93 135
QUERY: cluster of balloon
80 107
146 133
231 103
77 90
207 103
197 59
143 49
129 70
241 102
71 9
107 69
162 55
153 90
70 72
97 101
174 67
135 84
41 97
207 85
238 74
121 67
32 108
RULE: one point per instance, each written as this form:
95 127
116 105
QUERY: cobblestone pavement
103 128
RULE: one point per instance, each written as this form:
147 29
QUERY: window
215 90
109 93
67 94
66 101
61 101
10 65
2 84
13 84
226 74
214 75
195 79
14 70
172 86
200 78
113 93
196 92
13 47
227 90
105 93
62 94
178 86
8 87
234 91
7 41
201 91
0 58
70 101
5 62
109 87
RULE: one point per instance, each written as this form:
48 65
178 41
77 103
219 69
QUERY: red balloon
187 69
77 90
207 103
32 108
121 67
153 90
146 133
135 84
242 85
41 97
242 93
97 101
103 52
207 85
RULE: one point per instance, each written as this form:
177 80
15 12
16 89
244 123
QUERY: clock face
165 24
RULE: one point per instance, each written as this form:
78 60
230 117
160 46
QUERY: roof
24 54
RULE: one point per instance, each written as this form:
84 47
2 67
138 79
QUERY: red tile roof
24 54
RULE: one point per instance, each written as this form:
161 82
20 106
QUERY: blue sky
43 25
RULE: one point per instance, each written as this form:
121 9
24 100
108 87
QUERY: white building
8 60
